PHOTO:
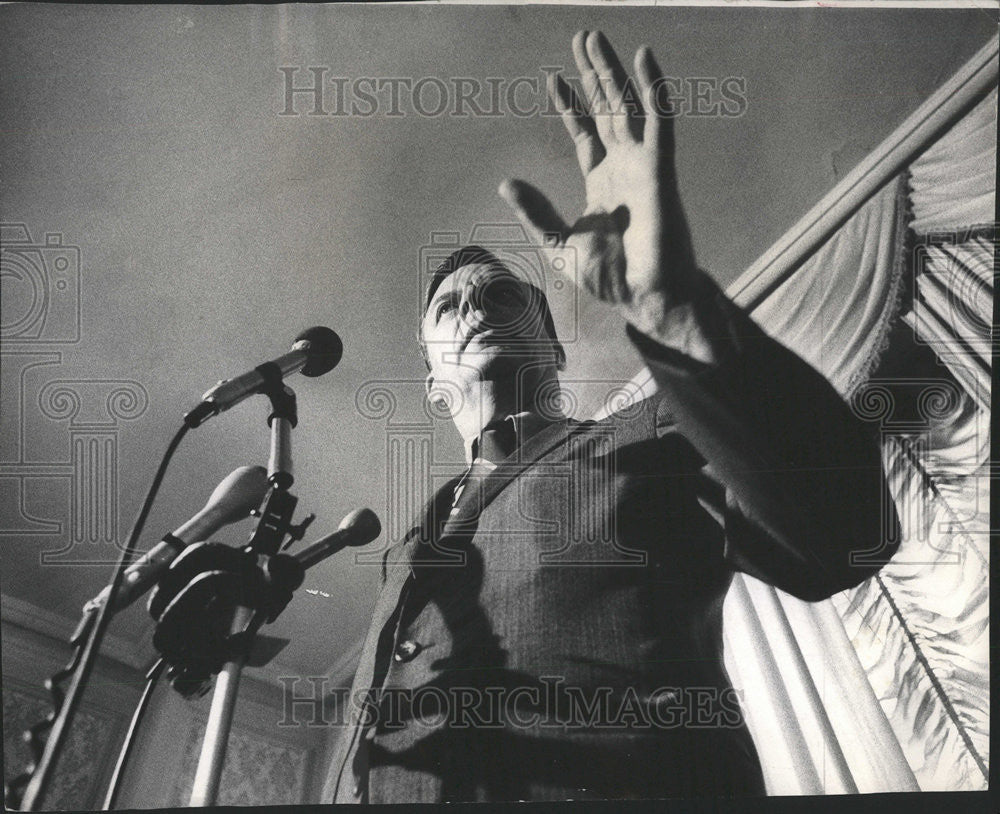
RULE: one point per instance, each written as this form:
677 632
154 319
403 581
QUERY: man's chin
492 358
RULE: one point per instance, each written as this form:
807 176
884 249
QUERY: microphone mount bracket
274 521
283 404
195 603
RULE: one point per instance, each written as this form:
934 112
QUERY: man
551 628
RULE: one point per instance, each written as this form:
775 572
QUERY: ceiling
211 230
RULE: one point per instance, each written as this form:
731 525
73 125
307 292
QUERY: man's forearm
795 461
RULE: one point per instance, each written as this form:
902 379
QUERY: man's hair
477 255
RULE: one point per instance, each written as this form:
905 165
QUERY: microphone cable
152 676
46 738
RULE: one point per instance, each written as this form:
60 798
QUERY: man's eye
446 305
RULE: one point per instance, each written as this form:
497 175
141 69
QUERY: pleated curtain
885 687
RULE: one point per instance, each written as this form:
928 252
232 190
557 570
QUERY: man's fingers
579 45
580 126
592 90
625 110
659 128
535 212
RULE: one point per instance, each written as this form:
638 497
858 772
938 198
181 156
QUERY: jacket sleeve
795 478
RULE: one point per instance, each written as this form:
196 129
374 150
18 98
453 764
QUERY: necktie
495 443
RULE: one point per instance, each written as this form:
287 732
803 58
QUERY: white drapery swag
886 687
921 629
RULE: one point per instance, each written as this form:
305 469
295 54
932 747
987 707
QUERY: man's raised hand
631 245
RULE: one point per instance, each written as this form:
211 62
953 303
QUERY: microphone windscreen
364 524
325 350
240 491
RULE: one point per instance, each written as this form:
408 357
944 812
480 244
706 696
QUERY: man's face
483 323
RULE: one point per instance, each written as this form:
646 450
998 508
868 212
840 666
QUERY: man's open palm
631 246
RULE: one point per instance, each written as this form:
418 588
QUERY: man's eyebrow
445 295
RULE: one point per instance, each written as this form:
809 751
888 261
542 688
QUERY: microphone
316 351
360 527
233 499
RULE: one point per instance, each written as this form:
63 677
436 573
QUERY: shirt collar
526 424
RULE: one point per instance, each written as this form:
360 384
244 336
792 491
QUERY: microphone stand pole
274 521
220 719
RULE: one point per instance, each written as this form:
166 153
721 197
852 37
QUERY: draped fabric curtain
915 713
885 687
921 628
836 312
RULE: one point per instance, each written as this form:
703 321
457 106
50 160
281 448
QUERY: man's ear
560 355
441 400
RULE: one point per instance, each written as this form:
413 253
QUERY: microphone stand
27 792
46 740
208 775
152 676
211 601
274 522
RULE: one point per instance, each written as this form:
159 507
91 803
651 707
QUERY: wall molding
128 652
341 671
56 626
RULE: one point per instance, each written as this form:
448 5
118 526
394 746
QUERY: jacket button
406 650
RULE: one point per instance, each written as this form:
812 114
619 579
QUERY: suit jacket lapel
477 496
421 543
419 547
397 561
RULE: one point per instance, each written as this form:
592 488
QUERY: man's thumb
535 212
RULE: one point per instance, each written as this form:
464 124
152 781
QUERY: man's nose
472 308
481 310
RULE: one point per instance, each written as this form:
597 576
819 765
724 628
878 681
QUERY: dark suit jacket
560 637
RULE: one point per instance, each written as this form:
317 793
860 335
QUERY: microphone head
364 525
324 351
240 491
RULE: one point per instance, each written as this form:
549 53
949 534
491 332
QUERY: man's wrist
686 326
681 330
